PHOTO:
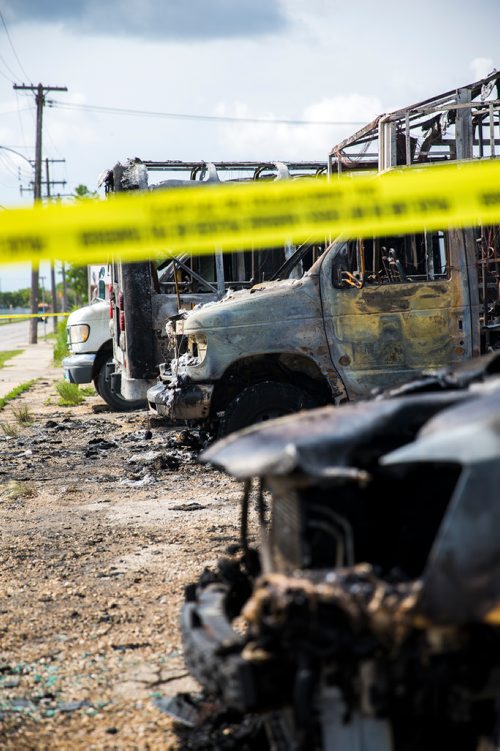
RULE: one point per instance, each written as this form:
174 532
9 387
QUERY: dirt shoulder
104 521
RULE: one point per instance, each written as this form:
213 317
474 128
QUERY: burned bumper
225 662
309 617
348 649
212 650
185 402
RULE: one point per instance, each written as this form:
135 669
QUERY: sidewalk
35 361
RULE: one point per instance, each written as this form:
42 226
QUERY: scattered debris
87 563
193 506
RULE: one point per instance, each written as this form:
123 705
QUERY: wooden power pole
40 91
53 287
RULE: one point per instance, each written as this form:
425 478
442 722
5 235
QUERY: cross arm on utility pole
39 90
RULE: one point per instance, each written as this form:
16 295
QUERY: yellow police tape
33 315
134 226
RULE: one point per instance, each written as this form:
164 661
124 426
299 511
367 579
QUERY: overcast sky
296 60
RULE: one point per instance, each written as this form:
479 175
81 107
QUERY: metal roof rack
462 123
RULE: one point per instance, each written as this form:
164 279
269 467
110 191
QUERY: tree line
76 292
76 279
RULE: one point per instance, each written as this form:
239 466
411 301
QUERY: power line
8 68
186 116
17 111
5 160
9 167
18 153
12 47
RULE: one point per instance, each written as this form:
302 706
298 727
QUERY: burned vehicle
144 295
368 616
371 312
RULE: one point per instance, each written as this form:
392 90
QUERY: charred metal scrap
372 608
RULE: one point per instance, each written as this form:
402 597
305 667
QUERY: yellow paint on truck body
386 331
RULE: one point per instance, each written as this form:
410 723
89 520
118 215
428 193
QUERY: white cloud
481 67
67 127
247 140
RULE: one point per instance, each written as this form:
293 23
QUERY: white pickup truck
91 348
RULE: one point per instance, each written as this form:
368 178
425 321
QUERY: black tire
264 401
115 401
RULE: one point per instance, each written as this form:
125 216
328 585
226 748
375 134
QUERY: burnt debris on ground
105 520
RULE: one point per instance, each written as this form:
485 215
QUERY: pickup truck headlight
197 347
79 333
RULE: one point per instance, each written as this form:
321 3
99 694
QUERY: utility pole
53 289
44 317
47 182
64 306
52 264
39 90
48 193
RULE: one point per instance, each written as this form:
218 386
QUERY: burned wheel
113 400
264 401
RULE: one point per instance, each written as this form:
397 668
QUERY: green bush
61 349
70 394
88 390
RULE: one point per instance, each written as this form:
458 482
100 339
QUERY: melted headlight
197 347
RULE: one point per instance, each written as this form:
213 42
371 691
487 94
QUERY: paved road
14 335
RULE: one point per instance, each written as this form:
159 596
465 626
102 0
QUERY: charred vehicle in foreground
368 617
371 312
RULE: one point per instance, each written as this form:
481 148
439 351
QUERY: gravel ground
104 521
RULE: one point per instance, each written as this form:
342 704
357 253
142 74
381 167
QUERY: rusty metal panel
382 335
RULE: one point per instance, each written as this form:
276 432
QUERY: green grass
10 429
8 354
61 349
16 392
23 415
70 394
18 489
88 390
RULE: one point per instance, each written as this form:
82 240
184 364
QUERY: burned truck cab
370 313
147 294
261 351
